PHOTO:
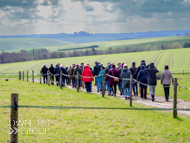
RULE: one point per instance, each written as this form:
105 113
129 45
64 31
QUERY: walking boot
152 97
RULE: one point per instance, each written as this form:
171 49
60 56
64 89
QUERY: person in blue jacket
96 72
142 77
101 78
64 74
106 82
57 74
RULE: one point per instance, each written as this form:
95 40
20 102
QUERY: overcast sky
94 16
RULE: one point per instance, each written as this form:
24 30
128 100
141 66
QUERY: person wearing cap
71 75
166 78
152 79
57 74
125 73
101 78
52 72
44 73
78 69
135 87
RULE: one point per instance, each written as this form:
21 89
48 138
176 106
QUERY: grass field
85 125
134 43
177 59
16 44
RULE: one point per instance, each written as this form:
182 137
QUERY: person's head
44 65
58 64
133 64
51 65
113 66
152 65
66 66
108 63
88 64
77 65
96 63
143 62
73 65
166 67
125 66
61 66
119 64
143 67
82 64
102 68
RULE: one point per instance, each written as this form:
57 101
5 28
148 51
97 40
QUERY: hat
166 67
125 65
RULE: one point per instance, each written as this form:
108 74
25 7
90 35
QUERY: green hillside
177 59
15 44
134 43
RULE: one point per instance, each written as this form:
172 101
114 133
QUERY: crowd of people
116 76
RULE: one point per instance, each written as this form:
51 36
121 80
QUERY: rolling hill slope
15 44
177 59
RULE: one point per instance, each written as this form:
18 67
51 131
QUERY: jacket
166 76
133 70
44 70
115 73
57 71
77 70
96 70
87 73
139 68
152 79
101 77
63 71
52 70
71 72
125 73
143 77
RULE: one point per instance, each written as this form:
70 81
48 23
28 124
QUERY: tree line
40 54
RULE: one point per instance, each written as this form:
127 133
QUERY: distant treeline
80 48
39 54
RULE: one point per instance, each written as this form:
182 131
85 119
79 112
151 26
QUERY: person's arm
162 77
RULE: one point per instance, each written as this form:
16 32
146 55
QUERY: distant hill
12 44
84 37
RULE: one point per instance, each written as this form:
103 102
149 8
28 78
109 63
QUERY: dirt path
159 101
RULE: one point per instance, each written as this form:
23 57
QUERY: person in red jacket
87 77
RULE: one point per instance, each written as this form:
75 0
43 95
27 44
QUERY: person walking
125 73
78 69
114 80
120 67
91 79
87 77
52 72
57 74
137 71
166 78
143 78
107 82
152 79
44 73
133 70
96 72
71 75
101 78
82 68
64 75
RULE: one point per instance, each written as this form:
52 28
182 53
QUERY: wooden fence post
175 99
19 75
23 76
33 76
61 79
14 118
103 86
131 88
40 77
27 76
48 77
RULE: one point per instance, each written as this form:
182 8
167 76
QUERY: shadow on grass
178 118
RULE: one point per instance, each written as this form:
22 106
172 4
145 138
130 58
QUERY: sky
93 16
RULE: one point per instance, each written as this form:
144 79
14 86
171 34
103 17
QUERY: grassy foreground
76 125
